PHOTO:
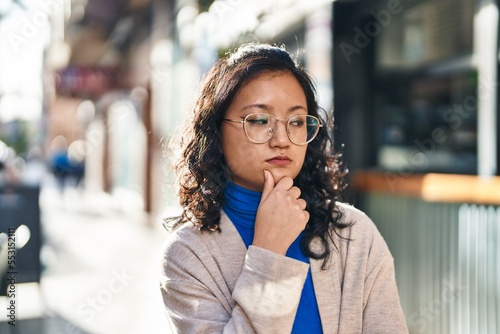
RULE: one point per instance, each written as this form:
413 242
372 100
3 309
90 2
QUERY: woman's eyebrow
297 107
269 108
259 106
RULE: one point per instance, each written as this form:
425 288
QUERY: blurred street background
100 269
91 92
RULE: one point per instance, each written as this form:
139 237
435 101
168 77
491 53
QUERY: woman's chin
278 175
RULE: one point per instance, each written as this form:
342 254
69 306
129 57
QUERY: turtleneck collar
241 204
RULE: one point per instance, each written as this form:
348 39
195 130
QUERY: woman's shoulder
202 253
188 238
352 215
183 238
360 227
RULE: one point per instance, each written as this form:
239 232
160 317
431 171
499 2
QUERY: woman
272 249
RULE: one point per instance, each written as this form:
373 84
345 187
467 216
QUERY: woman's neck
241 203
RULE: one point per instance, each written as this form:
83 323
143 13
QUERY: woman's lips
279 161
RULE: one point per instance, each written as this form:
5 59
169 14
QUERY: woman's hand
281 215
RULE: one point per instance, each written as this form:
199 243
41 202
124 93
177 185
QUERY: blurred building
422 88
98 75
416 105
413 85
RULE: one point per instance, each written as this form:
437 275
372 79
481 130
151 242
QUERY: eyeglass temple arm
233 120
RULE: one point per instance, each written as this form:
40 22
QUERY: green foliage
16 135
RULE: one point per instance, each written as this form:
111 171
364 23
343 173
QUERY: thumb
268 185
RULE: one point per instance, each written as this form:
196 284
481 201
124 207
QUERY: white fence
447 259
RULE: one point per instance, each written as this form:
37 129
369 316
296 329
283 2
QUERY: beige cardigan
211 283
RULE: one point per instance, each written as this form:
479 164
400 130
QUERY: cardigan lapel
327 289
230 250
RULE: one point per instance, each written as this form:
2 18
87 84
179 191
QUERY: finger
285 183
307 216
295 192
268 185
302 203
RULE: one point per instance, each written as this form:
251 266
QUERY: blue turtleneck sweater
241 208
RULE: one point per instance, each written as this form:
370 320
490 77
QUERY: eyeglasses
260 128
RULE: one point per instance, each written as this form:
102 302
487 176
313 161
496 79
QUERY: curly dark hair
202 170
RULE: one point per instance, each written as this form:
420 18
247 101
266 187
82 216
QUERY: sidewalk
101 270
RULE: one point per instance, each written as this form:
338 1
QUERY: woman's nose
279 133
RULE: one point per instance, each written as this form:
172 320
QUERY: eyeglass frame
320 125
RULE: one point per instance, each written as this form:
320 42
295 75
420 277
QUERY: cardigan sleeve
269 289
370 299
198 298
382 312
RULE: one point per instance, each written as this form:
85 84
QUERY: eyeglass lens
301 129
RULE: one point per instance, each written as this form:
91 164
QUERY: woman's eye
258 121
297 123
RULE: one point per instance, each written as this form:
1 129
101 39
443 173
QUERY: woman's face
277 94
